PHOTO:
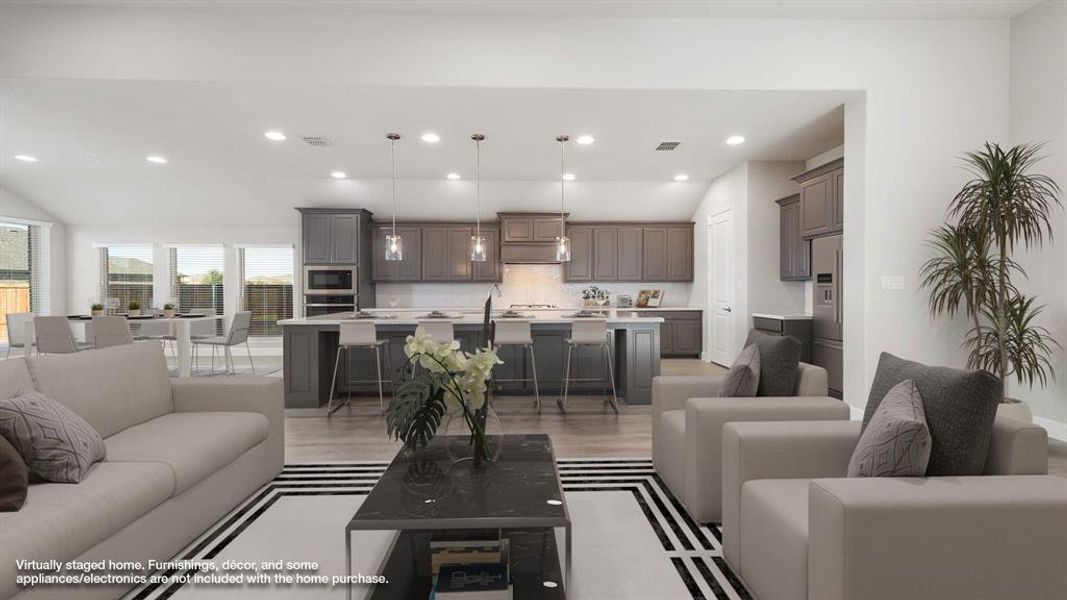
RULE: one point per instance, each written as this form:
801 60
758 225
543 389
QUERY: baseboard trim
1056 430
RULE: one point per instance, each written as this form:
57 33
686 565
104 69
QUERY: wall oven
317 305
330 280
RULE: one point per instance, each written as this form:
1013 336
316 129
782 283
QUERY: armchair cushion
896 443
779 358
960 407
742 380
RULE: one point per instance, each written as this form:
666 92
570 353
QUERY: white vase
168 313
1015 409
134 312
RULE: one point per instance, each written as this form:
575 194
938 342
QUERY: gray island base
310 348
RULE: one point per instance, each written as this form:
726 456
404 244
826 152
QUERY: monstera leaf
416 411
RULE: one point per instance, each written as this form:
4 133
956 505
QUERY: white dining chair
235 336
356 335
517 332
16 331
54 336
160 331
590 332
110 330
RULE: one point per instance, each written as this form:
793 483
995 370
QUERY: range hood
528 253
529 238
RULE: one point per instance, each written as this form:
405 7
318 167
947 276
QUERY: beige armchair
687 422
794 527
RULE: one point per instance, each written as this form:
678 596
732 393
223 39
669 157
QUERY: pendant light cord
392 153
562 183
478 186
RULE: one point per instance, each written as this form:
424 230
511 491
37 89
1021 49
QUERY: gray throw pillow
742 379
56 443
960 407
779 360
896 443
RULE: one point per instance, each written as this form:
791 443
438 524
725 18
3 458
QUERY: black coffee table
518 496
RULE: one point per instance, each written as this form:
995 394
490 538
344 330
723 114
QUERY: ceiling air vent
318 141
667 146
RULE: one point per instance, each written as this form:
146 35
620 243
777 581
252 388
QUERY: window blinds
266 286
196 278
24 273
126 275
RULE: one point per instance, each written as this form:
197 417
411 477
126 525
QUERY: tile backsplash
523 284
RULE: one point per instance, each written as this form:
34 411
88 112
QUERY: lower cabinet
682 333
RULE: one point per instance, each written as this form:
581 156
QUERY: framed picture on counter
649 298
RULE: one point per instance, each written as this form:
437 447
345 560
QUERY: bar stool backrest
439 330
358 333
513 332
110 330
54 335
16 328
589 331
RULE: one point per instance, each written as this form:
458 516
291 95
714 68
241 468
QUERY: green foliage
168 306
417 409
212 277
134 305
96 306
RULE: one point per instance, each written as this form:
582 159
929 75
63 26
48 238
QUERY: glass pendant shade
563 249
479 252
394 247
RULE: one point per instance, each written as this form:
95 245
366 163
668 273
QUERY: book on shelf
467 552
472 582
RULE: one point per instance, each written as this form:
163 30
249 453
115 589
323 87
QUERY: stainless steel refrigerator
827 264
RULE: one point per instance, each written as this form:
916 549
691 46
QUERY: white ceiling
733 9
92 139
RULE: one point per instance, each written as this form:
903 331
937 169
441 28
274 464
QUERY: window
126 276
196 281
266 286
23 271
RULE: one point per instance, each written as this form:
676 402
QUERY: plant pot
168 313
1015 409
134 312
96 313
588 302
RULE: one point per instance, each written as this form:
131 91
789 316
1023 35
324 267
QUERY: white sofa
687 421
795 528
181 453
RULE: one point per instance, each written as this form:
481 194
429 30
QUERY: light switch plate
893 282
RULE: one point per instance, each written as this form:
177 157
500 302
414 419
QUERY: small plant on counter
168 310
595 295
96 309
134 308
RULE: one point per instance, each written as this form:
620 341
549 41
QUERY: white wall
767 182
1039 114
925 91
15 206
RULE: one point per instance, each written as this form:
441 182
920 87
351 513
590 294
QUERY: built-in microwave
330 279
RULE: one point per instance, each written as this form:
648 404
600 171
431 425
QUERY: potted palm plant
96 309
1003 207
134 308
168 310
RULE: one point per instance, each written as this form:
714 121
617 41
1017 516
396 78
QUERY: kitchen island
310 348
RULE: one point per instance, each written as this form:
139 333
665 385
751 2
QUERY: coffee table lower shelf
535 560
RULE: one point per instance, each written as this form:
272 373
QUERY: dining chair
160 331
110 330
353 335
235 336
517 332
54 336
16 330
590 332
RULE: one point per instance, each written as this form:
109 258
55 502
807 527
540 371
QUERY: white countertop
471 317
783 317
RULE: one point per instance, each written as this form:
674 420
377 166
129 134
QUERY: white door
721 287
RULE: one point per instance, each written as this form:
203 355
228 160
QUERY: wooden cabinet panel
605 253
686 337
316 239
408 269
629 254
816 206
490 269
546 229
381 269
344 231
580 268
680 254
459 253
435 261
654 254
838 191
518 229
794 251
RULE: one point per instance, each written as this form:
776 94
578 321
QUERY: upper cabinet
795 251
651 251
530 227
630 254
580 268
821 209
332 236
437 253
490 270
407 269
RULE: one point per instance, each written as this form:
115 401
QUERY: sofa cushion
960 408
774 537
113 388
742 380
55 442
779 358
194 445
14 378
671 464
896 443
14 477
62 521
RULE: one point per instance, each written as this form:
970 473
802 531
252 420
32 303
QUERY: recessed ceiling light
453 176
25 158
430 138
93 159
568 177
681 177
275 136
338 175
584 139
159 160
734 140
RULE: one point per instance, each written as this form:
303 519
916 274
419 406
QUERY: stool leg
348 377
392 373
537 390
611 374
566 380
381 393
333 383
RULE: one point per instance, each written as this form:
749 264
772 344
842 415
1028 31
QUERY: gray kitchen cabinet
681 333
459 253
344 231
316 236
680 254
837 222
490 270
529 227
408 269
821 209
654 254
794 263
798 328
331 236
580 268
630 254
605 253
436 265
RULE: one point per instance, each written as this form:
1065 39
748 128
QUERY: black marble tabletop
427 490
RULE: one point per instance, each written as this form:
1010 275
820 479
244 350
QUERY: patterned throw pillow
742 380
56 443
896 442
14 478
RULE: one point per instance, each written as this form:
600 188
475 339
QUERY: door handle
727 309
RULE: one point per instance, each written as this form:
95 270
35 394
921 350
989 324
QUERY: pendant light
394 244
563 243
478 247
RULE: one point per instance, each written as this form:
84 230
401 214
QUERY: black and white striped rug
632 539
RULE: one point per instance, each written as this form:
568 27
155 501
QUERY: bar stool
357 334
516 332
439 330
589 332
